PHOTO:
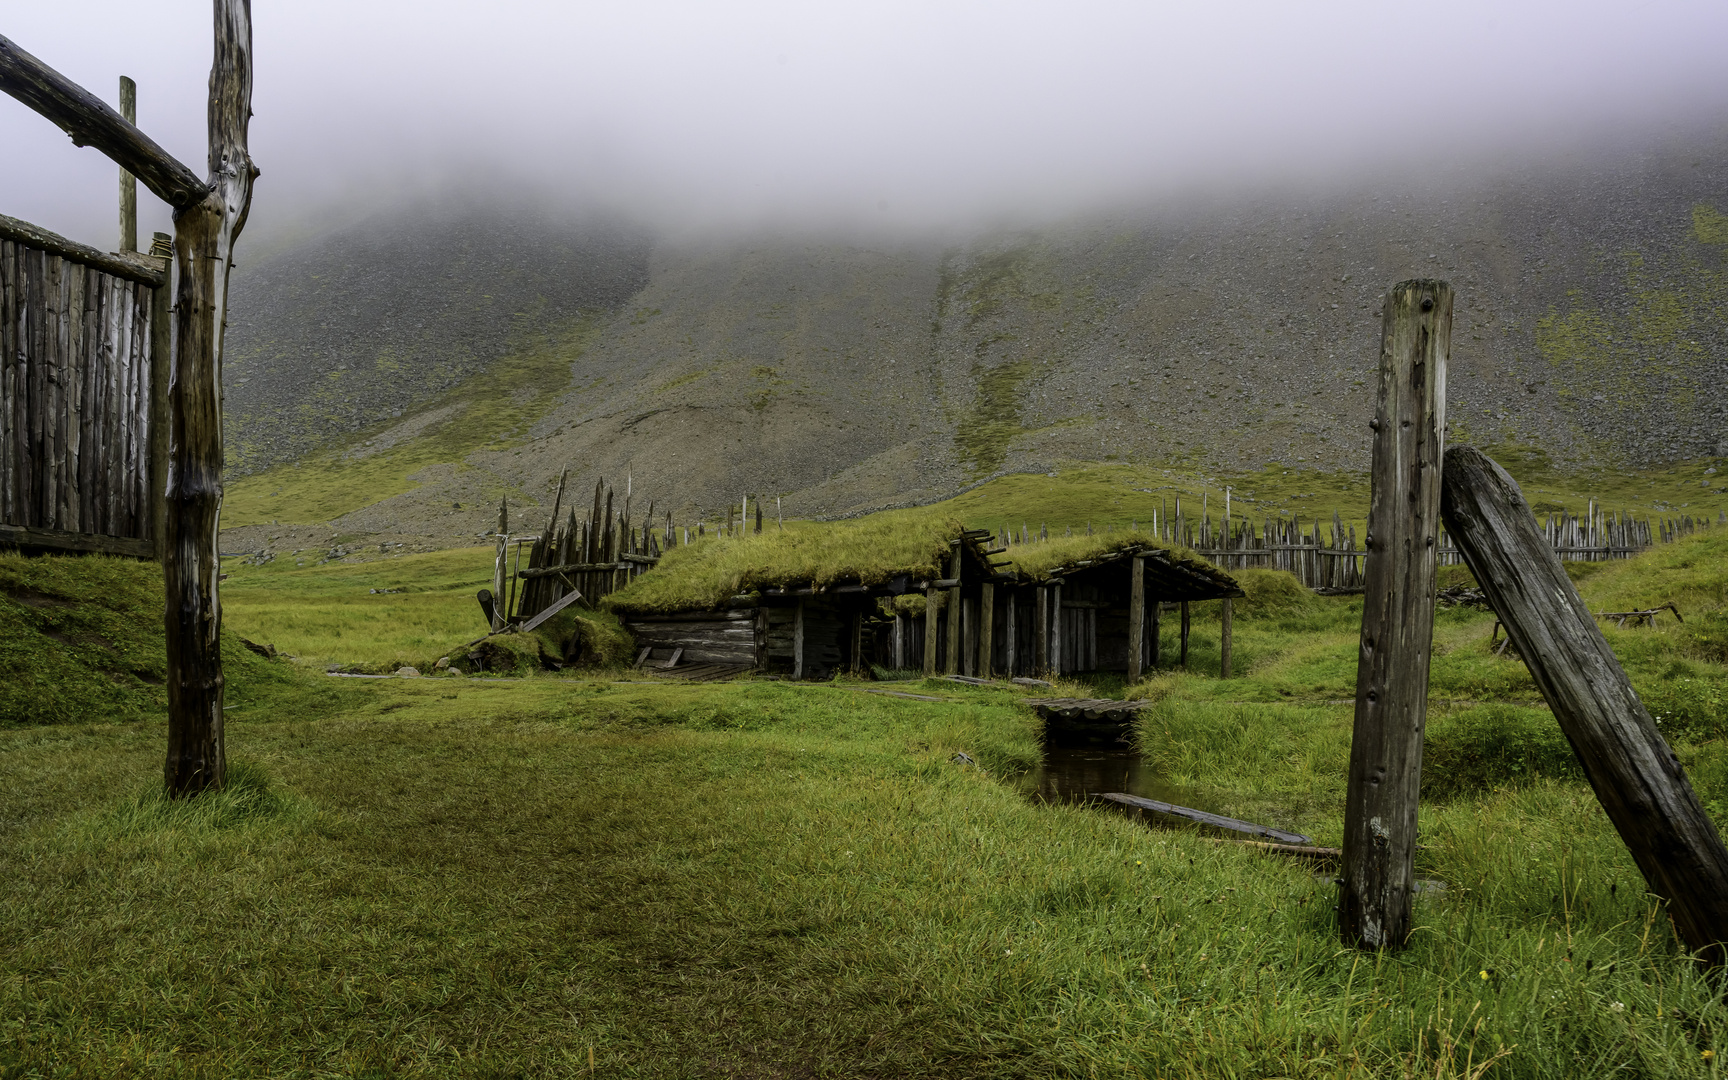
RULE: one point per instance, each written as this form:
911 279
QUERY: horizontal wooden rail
144 269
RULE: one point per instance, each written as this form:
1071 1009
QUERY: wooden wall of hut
82 347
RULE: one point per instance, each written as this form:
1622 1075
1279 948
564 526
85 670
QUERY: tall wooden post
855 659
128 182
986 629
161 363
951 662
1009 631
899 641
1397 617
499 600
1224 639
1136 617
205 233
1631 767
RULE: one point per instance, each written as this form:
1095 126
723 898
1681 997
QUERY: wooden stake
1136 617
128 182
1632 769
1224 639
1397 617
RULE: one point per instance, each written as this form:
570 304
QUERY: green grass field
482 878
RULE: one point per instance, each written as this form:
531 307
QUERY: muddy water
1074 774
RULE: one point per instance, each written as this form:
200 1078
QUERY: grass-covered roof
869 550
1042 559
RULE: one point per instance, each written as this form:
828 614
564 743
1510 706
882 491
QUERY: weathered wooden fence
83 381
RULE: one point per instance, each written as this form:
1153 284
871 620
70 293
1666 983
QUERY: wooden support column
1010 632
1186 623
1224 639
798 642
1635 774
1155 632
986 629
1397 618
1056 633
1136 616
932 624
161 364
1041 633
855 658
899 641
499 557
951 662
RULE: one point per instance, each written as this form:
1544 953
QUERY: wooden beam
1136 617
206 227
1041 633
161 370
40 539
1056 630
139 268
1635 774
1397 618
90 122
128 182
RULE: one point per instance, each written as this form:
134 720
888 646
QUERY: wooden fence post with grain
1137 617
1397 617
1224 632
986 629
930 625
951 662
1631 767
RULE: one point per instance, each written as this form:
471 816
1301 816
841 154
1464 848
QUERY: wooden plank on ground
1201 817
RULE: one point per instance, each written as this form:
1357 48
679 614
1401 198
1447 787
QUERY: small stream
1075 773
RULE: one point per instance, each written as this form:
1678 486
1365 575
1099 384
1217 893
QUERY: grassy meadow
602 874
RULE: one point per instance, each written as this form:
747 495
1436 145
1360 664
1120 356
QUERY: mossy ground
470 877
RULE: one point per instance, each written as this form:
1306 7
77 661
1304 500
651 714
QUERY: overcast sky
919 112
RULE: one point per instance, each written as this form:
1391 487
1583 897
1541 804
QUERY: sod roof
870 551
1070 554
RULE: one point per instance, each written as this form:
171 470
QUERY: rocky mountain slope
845 373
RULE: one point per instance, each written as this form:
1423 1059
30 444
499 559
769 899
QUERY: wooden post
986 629
1397 617
899 641
1155 632
951 662
1635 774
161 364
1056 629
1182 660
856 660
798 642
1010 632
498 593
1041 632
1136 616
1224 639
128 182
931 623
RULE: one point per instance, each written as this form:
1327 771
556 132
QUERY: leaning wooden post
986 629
1136 616
1224 620
1634 773
1397 617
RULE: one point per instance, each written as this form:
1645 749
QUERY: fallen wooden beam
1201 817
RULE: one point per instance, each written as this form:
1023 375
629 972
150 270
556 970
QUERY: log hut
1101 612
787 614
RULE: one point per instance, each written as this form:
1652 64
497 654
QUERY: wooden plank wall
75 403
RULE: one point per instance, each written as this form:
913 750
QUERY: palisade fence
586 558
83 383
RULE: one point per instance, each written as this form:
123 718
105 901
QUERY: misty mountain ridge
849 372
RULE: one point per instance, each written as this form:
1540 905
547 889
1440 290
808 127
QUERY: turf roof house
804 601
818 598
